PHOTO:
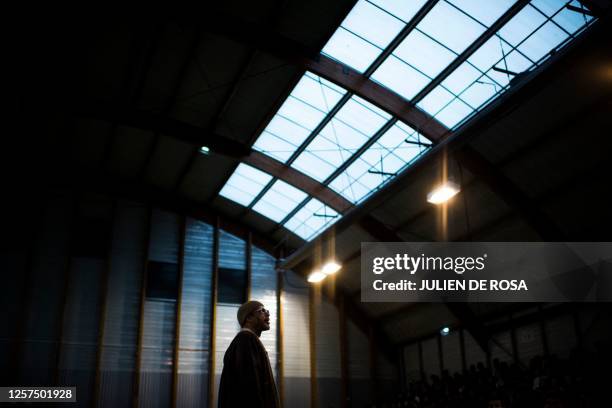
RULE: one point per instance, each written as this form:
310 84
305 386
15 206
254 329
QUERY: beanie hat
246 309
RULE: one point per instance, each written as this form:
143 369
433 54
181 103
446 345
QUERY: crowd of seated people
547 382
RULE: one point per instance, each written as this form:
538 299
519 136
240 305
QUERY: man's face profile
260 319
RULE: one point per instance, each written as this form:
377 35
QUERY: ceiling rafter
197 136
310 59
496 181
214 122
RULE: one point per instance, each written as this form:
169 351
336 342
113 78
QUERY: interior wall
555 330
75 293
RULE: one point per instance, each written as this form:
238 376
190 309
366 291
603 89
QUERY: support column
143 294
179 304
213 315
104 308
312 318
344 359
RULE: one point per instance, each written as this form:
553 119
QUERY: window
232 286
162 281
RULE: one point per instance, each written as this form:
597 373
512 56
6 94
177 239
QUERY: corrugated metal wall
529 342
83 301
194 336
360 385
474 354
560 335
387 376
264 289
327 341
412 363
451 352
431 358
296 346
501 347
232 254
118 350
43 314
159 318
93 305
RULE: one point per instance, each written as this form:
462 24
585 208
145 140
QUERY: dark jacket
247 380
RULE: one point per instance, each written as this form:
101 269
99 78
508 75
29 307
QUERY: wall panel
501 348
263 288
195 315
296 348
327 340
49 268
529 342
412 363
118 353
451 352
431 358
360 386
232 254
159 318
473 352
560 335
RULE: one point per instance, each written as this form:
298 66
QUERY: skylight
354 124
311 99
245 184
438 39
311 219
382 161
458 56
523 43
279 201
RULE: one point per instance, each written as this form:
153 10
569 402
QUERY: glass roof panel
379 163
244 184
542 41
454 113
362 115
489 53
549 7
395 136
450 27
288 130
312 90
461 77
301 113
402 9
279 201
342 136
477 94
487 12
311 99
275 146
311 219
351 50
435 100
571 21
372 24
313 166
521 25
424 54
328 150
346 132
400 77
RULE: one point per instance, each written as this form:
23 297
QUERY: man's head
254 316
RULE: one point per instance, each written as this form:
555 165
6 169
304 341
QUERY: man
247 380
